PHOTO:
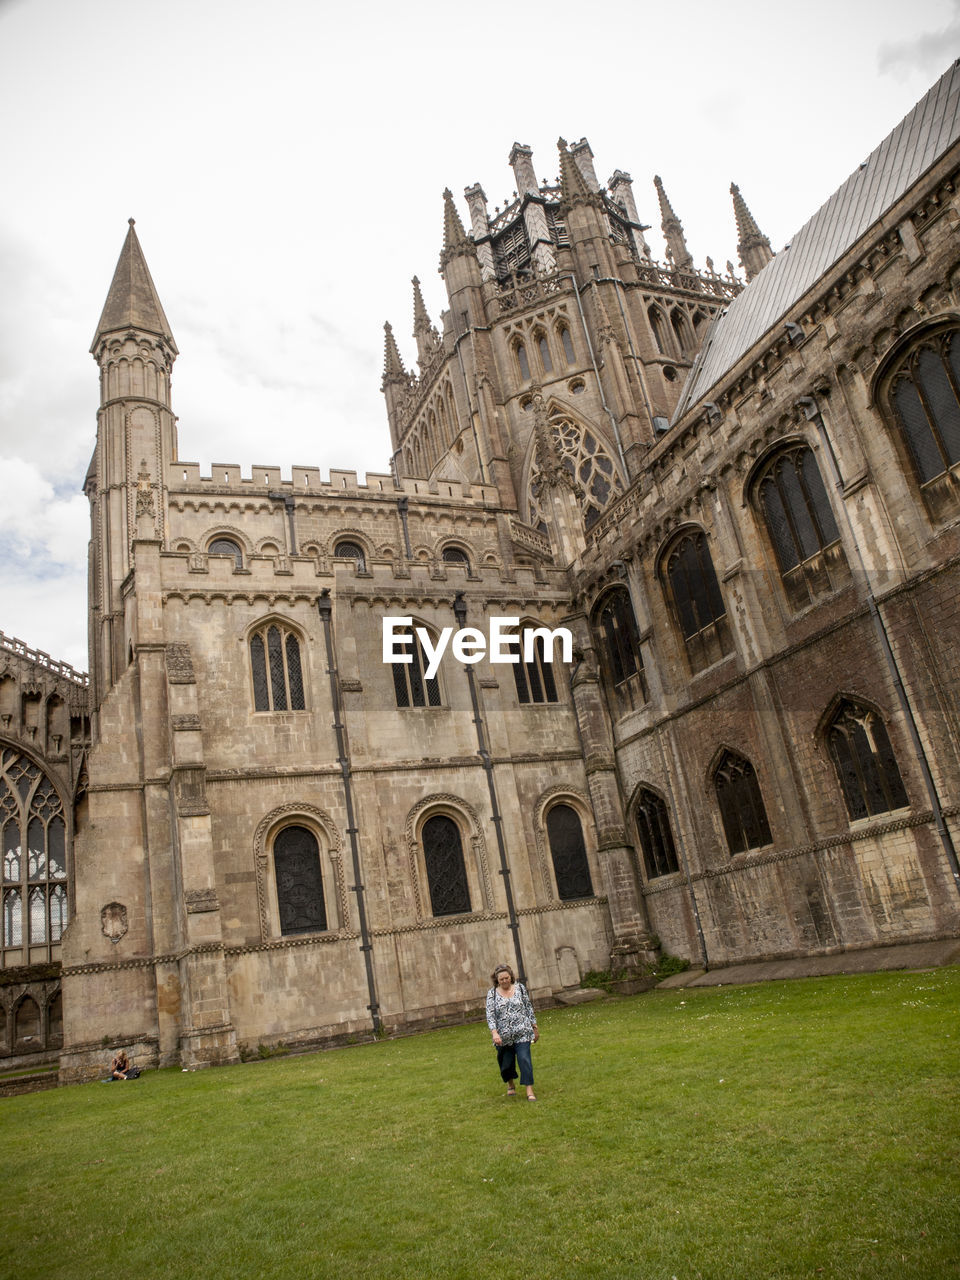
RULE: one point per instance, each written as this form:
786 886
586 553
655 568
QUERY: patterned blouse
514 1017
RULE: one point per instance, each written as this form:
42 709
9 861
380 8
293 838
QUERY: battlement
11 645
265 480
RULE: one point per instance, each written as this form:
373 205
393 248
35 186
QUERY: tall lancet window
33 838
276 670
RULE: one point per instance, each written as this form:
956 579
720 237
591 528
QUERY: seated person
120 1065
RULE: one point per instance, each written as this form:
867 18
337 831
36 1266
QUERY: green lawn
791 1129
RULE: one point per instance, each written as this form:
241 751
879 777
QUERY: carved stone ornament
113 921
198 900
179 664
185 724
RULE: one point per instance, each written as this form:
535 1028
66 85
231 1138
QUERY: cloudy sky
285 163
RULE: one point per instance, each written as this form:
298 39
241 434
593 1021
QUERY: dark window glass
866 767
797 510
410 684
446 873
925 399
226 547
741 804
455 555
523 362
351 551
567 343
278 682
698 606
276 671
569 853
656 838
33 843
545 359
618 642
535 680
296 858
261 695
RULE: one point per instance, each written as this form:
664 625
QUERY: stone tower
561 354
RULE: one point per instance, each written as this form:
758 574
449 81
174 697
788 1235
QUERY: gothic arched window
656 838
275 665
659 328
569 853
446 872
299 878
410 683
618 647
523 364
866 767
544 348
345 550
692 588
741 804
33 838
584 458
567 343
925 396
534 679
226 547
796 510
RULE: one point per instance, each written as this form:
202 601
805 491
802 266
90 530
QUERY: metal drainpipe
460 612
325 608
596 371
403 506
812 413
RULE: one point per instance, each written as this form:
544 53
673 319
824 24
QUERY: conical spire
753 248
132 301
453 233
573 185
677 249
392 364
420 318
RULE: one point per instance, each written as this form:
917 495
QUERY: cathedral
645 642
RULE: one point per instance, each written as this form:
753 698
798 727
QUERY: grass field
794 1129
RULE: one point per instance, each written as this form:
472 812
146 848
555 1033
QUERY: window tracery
656 837
925 395
227 547
535 680
347 550
618 647
299 880
34 850
276 669
803 531
863 758
741 804
691 586
411 686
446 871
588 464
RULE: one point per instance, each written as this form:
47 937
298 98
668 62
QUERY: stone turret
677 250
753 247
136 443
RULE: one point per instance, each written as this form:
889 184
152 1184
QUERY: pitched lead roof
914 145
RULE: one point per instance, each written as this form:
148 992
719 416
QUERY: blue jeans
508 1055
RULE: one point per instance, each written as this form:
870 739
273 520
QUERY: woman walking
513 1025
